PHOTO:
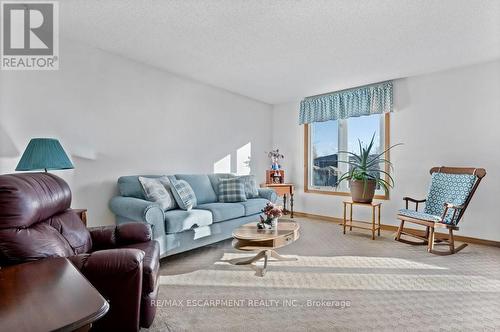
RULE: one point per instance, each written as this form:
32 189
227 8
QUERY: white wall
448 118
119 117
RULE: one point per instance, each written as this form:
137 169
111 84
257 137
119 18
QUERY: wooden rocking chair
449 195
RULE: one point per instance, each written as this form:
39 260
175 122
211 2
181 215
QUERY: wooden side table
48 295
283 189
363 224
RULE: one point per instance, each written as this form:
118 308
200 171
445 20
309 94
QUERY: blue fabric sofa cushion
419 215
129 186
223 211
201 185
177 221
254 205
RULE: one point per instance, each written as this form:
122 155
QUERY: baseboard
317 216
392 228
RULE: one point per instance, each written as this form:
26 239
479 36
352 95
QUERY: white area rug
340 282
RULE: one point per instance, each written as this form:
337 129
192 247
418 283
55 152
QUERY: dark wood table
48 295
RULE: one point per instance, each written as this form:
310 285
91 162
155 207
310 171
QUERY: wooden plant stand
372 226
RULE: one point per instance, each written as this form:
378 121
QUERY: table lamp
44 153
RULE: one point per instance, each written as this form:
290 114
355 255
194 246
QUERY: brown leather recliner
122 262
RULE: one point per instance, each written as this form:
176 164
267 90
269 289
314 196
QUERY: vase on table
274 223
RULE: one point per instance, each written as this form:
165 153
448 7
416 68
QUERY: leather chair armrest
133 233
106 237
109 262
117 275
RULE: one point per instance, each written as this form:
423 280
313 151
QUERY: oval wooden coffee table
249 238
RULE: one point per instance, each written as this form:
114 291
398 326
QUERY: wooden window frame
387 140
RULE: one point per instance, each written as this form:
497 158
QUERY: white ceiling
282 50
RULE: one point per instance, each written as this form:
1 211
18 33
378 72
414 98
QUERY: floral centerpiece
272 213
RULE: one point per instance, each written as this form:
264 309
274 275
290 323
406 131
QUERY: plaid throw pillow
183 193
251 190
232 190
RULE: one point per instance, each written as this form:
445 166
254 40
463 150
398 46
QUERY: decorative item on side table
276 174
275 177
275 157
272 213
44 154
365 174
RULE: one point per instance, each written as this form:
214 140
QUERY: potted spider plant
366 172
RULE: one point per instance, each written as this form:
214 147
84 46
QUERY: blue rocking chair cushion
419 215
448 188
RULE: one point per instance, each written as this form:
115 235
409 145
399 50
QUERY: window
323 141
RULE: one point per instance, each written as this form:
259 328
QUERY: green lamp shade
44 153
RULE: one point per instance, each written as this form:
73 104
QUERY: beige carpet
340 282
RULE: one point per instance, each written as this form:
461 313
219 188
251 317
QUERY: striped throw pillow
183 193
158 190
232 190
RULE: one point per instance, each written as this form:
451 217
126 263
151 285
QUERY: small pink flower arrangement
272 211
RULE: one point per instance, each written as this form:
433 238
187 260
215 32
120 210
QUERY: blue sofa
178 230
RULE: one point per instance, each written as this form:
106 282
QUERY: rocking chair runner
449 195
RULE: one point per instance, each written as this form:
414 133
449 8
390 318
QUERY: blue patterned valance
366 100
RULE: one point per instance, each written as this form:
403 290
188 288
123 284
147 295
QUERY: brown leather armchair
122 262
